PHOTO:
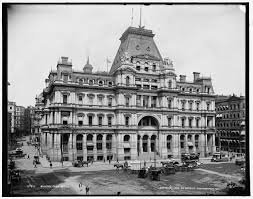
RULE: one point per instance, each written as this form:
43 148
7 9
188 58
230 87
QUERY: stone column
193 142
74 147
70 151
149 145
141 147
186 144
84 147
104 146
175 145
114 145
95 146
213 144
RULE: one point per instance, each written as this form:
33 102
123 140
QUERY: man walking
87 190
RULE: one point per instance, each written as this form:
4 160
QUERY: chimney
182 78
195 76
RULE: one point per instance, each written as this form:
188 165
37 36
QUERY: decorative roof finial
88 61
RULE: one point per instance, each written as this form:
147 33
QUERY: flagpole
107 64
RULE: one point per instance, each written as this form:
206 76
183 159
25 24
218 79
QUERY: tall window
145 101
80 98
183 122
110 102
127 81
169 103
169 121
190 122
100 101
182 141
197 141
90 120
127 101
65 78
100 120
65 99
138 100
190 106
207 106
153 101
197 106
183 105
127 121
79 142
109 121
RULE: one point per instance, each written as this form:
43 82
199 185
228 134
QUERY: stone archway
148 135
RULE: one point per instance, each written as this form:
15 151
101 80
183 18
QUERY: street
103 179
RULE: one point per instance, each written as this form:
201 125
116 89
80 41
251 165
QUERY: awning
189 143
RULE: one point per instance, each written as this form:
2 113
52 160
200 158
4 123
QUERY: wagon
155 174
142 173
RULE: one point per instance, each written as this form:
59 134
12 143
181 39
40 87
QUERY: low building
230 123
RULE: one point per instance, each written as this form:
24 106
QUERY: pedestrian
35 165
118 193
109 160
87 190
51 164
92 161
28 156
80 186
104 160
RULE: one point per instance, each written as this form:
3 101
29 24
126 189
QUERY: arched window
126 138
99 137
90 82
89 137
100 83
127 81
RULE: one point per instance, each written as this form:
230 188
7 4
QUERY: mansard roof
136 42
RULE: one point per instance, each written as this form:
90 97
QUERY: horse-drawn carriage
80 163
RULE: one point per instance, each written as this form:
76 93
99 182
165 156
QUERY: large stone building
230 123
136 111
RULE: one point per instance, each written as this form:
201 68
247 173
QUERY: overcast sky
209 39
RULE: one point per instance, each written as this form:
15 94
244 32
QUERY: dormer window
138 68
127 81
91 82
146 69
110 84
100 83
65 78
154 68
170 84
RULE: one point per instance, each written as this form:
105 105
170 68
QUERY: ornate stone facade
136 111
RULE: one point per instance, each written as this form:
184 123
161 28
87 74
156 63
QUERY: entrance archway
147 137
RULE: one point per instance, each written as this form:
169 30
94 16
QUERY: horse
86 162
